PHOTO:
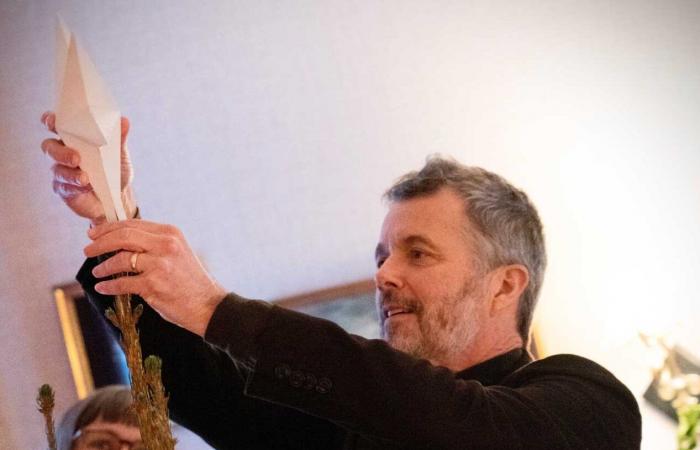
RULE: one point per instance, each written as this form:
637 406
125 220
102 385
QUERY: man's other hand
73 184
166 273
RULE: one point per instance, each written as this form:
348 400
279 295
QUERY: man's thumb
125 129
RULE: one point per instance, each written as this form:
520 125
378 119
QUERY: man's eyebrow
419 239
412 239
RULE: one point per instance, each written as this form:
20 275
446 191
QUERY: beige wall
268 130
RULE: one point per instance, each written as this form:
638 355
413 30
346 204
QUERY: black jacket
271 378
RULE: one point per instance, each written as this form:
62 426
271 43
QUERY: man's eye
417 255
380 261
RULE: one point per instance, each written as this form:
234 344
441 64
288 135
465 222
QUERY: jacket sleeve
365 386
205 387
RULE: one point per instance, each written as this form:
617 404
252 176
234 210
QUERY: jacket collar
493 370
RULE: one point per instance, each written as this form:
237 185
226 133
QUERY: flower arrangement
679 388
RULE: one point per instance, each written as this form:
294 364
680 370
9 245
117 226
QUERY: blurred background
268 131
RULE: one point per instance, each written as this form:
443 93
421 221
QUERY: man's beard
446 327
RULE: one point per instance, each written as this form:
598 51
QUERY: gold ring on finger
133 260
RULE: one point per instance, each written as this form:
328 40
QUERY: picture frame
349 305
93 350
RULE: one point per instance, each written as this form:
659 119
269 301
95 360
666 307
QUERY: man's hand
73 185
167 273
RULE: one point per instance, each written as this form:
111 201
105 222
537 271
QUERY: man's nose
388 275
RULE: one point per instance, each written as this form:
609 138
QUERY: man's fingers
49 121
122 285
125 129
125 238
67 191
48 118
60 153
121 263
69 175
144 225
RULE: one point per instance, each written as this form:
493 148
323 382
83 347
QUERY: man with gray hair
500 221
460 262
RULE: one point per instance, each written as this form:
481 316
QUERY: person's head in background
104 420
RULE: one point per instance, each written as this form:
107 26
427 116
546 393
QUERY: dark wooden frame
327 295
92 349
350 305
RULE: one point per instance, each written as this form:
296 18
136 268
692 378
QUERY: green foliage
45 399
150 401
688 418
153 364
45 403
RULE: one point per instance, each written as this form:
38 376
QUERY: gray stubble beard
452 329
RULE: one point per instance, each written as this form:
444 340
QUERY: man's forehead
425 214
438 221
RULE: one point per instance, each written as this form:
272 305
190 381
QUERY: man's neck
478 354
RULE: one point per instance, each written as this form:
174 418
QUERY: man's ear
508 283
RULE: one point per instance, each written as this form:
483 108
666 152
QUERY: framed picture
94 353
351 306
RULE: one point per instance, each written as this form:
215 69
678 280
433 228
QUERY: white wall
268 130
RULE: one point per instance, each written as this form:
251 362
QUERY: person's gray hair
509 230
110 404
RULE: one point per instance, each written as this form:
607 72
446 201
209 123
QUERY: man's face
429 291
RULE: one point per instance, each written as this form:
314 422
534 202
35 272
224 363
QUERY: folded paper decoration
88 120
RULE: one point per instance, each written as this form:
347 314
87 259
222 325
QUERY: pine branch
159 401
150 409
45 402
